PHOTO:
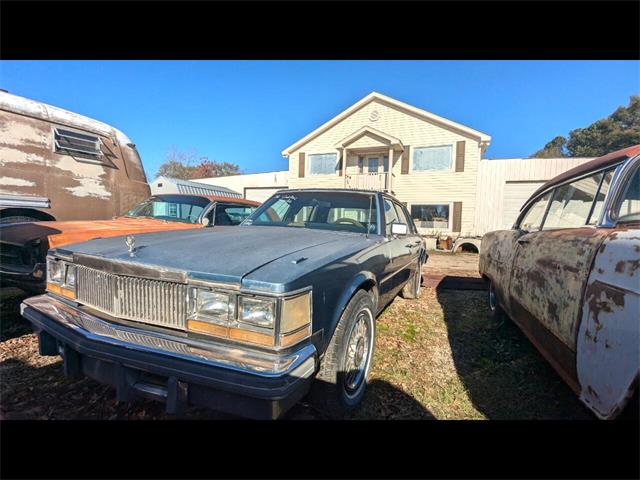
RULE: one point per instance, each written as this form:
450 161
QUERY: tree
178 164
208 168
555 148
619 130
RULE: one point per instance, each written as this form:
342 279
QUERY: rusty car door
608 341
550 270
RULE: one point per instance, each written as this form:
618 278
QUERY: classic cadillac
24 246
245 320
568 273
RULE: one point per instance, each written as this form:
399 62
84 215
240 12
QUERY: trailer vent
77 144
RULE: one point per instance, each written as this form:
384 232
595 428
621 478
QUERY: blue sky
247 112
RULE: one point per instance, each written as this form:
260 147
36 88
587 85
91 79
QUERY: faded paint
549 273
608 341
19 182
575 292
107 187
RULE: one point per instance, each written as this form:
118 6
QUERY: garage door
515 194
260 194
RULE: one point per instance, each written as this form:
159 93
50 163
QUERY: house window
431 216
432 158
78 144
323 164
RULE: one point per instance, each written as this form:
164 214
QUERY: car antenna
369 220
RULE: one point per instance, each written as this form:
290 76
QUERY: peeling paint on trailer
31 167
608 340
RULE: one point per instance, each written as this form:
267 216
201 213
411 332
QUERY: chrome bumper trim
216 355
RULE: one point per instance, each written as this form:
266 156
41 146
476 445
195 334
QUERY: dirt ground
438 357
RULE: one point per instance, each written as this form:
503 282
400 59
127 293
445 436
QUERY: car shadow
12 325
35 388
504 375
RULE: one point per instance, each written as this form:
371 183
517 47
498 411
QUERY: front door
550 269
400 251
374 164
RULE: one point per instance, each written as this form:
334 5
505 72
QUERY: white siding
493 175
271 180
415 187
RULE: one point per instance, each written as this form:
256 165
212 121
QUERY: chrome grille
149 301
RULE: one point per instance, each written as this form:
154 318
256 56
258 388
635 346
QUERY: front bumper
30 279
177 370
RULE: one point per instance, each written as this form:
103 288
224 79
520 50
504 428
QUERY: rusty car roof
595 164
211 198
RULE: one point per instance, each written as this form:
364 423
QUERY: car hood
226 254
59 234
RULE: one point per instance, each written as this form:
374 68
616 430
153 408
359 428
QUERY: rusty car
245 320
59 165
568 274
24 246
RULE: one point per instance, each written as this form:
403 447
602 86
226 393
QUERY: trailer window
69 142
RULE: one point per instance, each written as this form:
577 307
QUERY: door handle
523 241
414 244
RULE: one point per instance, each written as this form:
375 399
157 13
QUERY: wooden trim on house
301 165
405 160
456 225
460 148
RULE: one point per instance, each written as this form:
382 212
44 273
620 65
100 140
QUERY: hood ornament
131 244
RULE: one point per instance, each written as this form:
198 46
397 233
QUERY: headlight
260 320
257 311
55 270
61 278
70 277
213 306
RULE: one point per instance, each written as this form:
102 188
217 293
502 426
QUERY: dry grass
436 357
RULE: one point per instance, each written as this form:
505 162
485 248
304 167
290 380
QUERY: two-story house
432 164
428 162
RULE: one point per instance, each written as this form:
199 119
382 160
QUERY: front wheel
495 310
413 286
342 379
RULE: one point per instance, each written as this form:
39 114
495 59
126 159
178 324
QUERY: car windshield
175 208
341 211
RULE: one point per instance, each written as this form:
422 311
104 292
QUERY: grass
437 357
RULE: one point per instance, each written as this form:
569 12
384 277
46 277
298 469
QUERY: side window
402 217
532 220
390 215
602 194
276 212
231 215
630 205
571 203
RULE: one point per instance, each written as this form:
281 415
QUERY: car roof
211 198
591 166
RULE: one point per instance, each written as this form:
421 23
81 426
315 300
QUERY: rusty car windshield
339 211
175 208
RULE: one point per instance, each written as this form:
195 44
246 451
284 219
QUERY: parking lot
439 357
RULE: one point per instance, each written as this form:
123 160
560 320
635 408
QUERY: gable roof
482 137
361 132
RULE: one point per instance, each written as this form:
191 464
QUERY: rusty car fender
608 340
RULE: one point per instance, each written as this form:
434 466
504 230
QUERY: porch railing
369 181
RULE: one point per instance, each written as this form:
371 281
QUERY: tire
495 310
413 287
17 219
336 391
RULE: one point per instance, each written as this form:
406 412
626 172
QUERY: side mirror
205 222
398 228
